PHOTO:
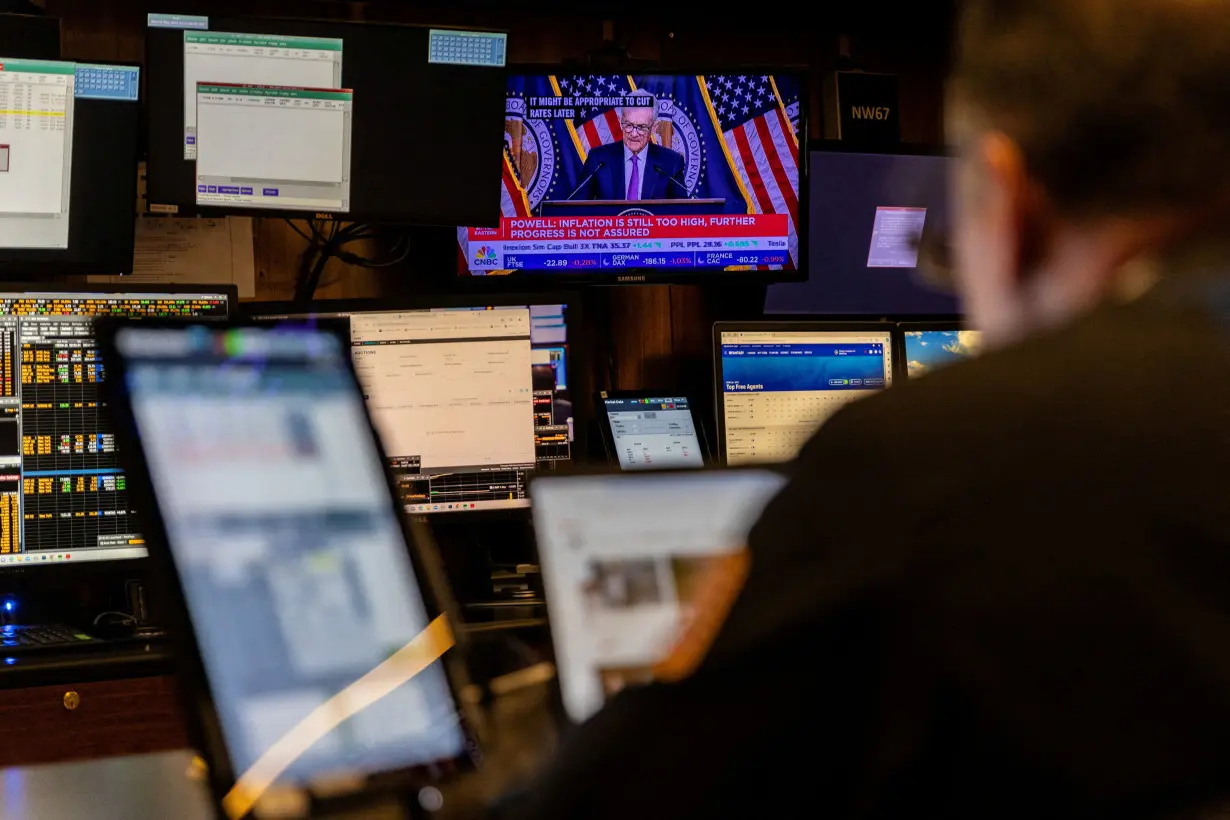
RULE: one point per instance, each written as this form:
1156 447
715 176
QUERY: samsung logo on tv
630 278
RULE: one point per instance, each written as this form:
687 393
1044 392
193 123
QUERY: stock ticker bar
612 242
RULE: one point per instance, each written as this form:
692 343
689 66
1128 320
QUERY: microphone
585 181
687 194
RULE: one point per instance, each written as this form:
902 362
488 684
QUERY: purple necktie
634 183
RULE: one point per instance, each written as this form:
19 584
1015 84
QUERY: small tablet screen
623 556
653 433
284 535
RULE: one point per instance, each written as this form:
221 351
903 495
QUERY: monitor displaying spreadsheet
778 382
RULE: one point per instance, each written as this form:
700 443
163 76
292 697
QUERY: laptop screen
623 557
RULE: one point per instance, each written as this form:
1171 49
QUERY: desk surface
146 787
159 786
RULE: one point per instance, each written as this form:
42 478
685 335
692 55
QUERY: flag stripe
512 198
590 136
773 149
763 203
791 140
788 180
610 123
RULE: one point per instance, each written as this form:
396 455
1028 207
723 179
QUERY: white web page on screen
622 557
454 388
226 57
36 149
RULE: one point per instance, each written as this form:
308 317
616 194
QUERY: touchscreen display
653 433
623 557
292 562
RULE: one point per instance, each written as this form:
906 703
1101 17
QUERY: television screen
624 177
868 213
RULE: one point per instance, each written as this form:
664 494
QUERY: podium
637 207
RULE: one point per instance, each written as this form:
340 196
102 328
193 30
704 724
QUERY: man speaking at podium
636 168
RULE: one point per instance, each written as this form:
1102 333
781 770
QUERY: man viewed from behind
1002 591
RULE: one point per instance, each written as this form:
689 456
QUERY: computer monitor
929 346
624 556
635 177
868 213
68 167
64 494
650 431
469 397
318 118
777 382
313 647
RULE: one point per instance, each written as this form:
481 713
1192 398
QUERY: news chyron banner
607 173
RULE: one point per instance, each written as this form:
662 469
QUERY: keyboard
41 636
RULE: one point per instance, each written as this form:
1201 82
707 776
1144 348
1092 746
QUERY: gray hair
652 105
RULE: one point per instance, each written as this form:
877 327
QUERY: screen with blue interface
929 350
653 433
63 489
778 386
292 562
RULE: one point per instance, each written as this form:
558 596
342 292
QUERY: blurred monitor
777 382
68 167
637 177
868 213
469 399
364 121
64 496
30 36
650 431
623 557
307 624
927 347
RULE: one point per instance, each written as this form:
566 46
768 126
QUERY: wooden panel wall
661 335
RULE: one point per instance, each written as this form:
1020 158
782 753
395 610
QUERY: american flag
595 125
762 145
513 201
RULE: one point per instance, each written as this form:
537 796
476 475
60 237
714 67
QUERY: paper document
192 252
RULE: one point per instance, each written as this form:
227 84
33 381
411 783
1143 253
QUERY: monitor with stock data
64 495
68 167
326 118
469 400
649 431
777 382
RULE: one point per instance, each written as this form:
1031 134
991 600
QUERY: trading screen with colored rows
63 493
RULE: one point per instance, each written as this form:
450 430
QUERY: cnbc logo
484 257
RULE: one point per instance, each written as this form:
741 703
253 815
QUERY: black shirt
999 591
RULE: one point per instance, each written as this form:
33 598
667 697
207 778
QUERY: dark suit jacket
660 167
998 591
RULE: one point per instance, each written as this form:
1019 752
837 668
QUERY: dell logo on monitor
325 216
